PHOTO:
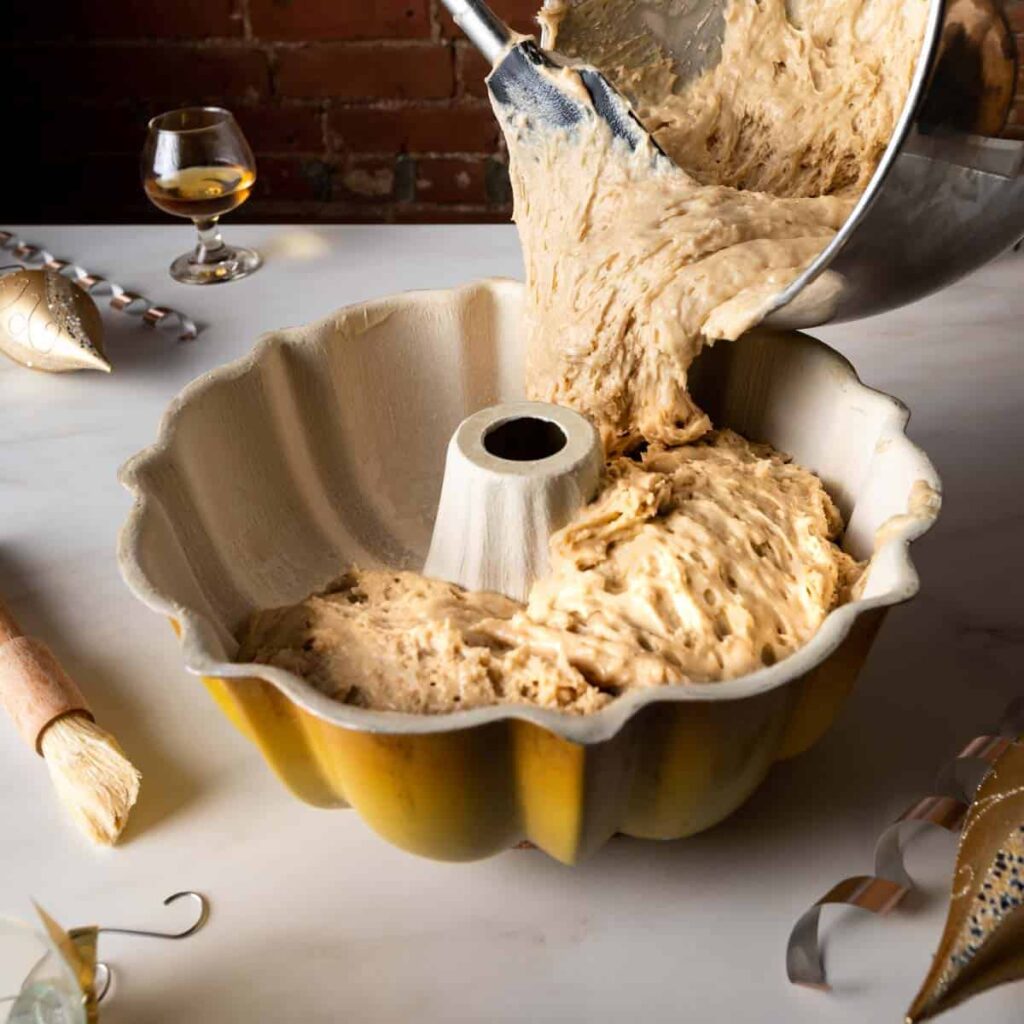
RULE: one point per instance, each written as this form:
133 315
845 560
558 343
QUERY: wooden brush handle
34 690
9 627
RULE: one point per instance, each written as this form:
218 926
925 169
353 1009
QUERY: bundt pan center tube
273 474
515 473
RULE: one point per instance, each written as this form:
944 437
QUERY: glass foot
235 264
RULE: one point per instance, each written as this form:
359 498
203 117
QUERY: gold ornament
48 323
69 978
77 948
983 942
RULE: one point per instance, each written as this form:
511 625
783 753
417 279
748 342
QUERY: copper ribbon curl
955 786
121 299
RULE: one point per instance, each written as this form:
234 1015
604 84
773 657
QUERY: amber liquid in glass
201 192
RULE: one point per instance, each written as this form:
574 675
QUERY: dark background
358 110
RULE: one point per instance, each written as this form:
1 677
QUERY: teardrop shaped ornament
48 322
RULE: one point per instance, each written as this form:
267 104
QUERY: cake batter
694 564
704 556
634 264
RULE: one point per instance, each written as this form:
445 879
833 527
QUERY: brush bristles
93 778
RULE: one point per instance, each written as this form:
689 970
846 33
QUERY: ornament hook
204 916
105 972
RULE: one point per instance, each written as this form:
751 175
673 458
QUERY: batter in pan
704 556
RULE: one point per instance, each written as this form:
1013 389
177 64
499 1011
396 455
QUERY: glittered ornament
65 982
983 942
77 950
48 323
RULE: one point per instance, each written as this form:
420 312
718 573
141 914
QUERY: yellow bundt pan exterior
273 473
672 771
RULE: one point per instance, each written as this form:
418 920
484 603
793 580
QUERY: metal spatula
518 82
686 33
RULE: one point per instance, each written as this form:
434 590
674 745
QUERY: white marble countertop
314 918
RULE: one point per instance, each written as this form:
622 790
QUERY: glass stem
211 247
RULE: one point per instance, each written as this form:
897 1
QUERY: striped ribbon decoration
878 893
121 299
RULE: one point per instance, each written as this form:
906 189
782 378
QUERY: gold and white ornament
983 942
49 323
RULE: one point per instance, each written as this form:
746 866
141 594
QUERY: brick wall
358 110
1015 15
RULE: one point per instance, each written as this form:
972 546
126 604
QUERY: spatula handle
484 29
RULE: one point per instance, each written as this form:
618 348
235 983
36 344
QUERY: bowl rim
915 96
595 727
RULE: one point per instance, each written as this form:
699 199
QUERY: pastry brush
92 776
522 83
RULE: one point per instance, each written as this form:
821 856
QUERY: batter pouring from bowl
704 556
633 264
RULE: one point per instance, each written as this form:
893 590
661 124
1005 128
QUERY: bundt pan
325 447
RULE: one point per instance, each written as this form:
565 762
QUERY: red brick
446 180
496 182
355 213
291 129
1014 128
349 213
370 181
340 19
520 15
470 70
293 178
420 213
356 71
126 19
290 211
171 74
415 129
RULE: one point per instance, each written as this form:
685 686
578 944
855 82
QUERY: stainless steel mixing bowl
948 194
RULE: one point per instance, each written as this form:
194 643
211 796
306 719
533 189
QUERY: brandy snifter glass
197 164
